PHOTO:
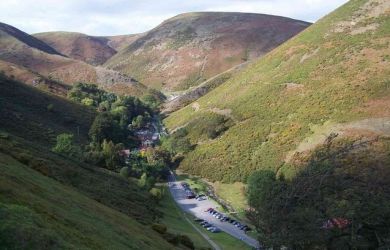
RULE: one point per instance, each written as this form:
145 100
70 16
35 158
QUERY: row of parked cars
225 218
209 227
190 194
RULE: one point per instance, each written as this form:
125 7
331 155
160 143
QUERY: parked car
209 209
198 220
215 230
207 225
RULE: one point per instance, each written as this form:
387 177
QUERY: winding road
197 208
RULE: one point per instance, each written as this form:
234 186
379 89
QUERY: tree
66 146
138 122
105 127
87 101
111 154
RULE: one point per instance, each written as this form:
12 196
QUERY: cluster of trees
112 131
347 183
149 167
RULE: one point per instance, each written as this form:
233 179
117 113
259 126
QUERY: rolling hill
119 42
27 52
89 49
190 48
331 78
48 201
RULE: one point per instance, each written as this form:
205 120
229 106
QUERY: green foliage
87 101
111 154
341 180
177 143
125 172
146 182
156 193
159 228
186 241
318 77
105 127
65 145
90 94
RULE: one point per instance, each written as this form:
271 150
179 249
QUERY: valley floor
197 208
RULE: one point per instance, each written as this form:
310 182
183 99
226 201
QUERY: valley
211 130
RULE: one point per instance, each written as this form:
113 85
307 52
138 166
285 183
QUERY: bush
186 241
172 238
156 193
125 172
50 107
159 228
66 146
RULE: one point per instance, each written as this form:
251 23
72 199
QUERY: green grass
271 117
173 218
232 193
38 212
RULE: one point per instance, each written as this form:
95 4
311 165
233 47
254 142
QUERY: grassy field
331 73
232 193
174 219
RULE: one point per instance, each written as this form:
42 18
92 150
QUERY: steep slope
184 98
333 77
15 48
48 201
78 46
187 49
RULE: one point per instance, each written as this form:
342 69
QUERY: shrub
159 228
186 241
50 107
172 238
66 146
156 193
125 172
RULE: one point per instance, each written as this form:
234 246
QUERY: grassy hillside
78 46
333 77
48 201
187 49
38 116
40 213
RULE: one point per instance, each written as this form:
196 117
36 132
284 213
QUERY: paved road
198 208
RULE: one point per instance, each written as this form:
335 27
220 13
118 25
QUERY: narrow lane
198 208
